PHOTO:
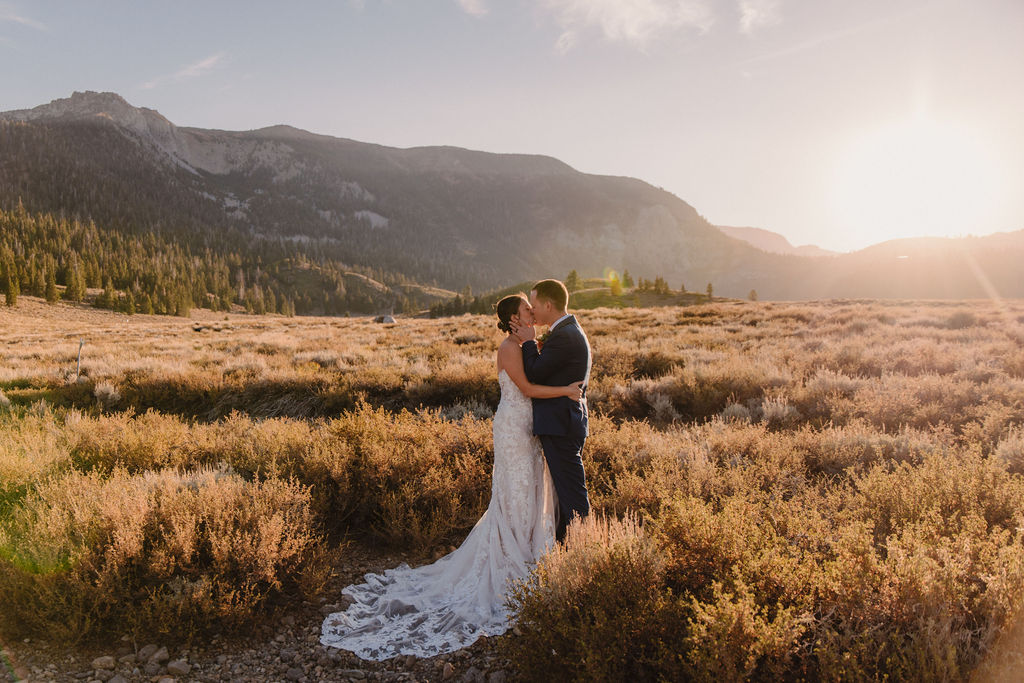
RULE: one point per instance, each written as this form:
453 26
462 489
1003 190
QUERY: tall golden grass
826 490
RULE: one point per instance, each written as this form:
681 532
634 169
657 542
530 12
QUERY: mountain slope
299 213
773 242
440 215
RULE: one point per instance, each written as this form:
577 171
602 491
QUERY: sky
836 123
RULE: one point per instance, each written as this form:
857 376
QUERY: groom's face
542 309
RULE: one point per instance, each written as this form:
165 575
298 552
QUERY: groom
560 423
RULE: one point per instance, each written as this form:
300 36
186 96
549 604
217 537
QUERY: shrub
961 320
426 481
776 412
734 412
1011 451
654 364
161 553
593 609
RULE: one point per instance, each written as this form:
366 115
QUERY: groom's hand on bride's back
577 391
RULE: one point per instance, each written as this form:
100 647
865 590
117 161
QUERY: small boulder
106 662
448 671
473 675
147 651
179 667
294 674
160 656
118 678
384 319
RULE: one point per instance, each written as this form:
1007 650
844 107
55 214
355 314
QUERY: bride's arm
512 362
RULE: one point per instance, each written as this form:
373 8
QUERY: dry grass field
827 490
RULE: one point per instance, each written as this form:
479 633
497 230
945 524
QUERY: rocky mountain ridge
437 216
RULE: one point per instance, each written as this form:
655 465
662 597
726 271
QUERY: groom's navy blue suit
561 423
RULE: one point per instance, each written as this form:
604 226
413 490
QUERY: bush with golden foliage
163 552
821 490
749 566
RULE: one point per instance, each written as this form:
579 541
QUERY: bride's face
525 314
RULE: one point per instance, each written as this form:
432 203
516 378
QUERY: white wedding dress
447 605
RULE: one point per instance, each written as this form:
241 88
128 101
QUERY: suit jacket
565 359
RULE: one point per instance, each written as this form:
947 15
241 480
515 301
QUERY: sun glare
915 178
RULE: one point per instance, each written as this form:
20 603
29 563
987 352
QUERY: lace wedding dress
447 605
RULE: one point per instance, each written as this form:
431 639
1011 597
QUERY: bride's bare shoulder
507 350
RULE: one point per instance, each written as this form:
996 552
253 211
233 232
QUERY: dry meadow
825 490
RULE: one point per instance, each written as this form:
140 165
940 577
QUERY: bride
447 605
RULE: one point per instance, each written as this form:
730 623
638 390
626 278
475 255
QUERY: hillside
773 242
283 219
438 215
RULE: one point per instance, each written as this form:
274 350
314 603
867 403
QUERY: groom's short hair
553 291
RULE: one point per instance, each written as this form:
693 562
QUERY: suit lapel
571 320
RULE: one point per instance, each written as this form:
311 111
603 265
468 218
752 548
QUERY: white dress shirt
555 324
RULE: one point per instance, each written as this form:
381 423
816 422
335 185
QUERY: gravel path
288 650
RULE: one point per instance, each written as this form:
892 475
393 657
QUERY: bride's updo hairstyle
506 308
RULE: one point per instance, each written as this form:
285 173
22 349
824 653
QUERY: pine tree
627 279
182 304
38 281
11 289
52 295
75 289
753 295
616 286
107 298
710 291
572 281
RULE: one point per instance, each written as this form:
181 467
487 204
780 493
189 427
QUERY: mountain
286 216
773 242
439 215
930 268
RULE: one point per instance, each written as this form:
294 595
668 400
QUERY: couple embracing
538 486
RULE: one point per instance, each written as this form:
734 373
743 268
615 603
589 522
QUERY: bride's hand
575 391
523 333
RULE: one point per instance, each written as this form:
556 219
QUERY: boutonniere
542 338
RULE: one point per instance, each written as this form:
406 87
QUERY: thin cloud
636 22
757 14
474 7
190 71
839 34
10 15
